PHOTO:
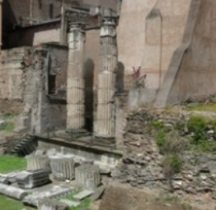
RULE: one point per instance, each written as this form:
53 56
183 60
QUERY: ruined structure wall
34 35
103 3
11 74
22 10
131 34
51 35
24 87
150 38
13 10
195 79
165 26
12 78
49 111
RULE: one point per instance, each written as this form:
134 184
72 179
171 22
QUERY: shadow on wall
8 21
89 93
120 77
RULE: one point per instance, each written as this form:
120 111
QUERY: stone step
70 203
84 194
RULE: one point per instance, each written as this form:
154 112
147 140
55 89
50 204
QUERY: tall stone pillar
105 117
75 78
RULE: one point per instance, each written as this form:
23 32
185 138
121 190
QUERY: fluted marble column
105 118
75 78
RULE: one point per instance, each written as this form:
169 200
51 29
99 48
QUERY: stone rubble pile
142 165
39 168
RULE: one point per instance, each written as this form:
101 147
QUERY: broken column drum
87 176
63 167
75 78
105 118
32 179
37 162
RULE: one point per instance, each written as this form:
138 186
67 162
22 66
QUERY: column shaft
75 79
105 118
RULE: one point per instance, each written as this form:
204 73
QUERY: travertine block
31 179
88 176
62 167
37 162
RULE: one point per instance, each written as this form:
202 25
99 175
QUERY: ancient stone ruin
80 87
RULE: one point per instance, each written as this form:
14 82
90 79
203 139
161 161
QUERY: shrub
170 142
172 164
198 126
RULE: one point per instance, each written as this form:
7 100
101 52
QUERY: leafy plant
172 164
198 126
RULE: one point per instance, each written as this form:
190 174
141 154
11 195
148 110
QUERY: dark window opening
51 84
51 10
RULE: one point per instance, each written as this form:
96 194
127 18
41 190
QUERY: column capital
76 26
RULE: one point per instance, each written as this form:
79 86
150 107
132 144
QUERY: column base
76 133
105 141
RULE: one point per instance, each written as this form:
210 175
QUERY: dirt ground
122 197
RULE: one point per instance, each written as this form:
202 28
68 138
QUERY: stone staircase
22 146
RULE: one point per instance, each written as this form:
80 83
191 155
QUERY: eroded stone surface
31 179
37 162
63 167
88 176
51 192
48 204
12 192
82 195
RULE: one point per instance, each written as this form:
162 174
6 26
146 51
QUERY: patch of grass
204 147
10 204
167 198
160 137
84 203
210 107
186 206
9 127
11 163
